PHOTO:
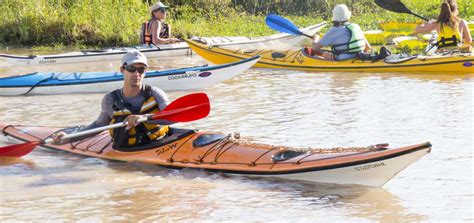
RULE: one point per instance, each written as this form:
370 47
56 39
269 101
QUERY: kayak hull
280 41
368 166
298 60
169 50
375 173
181 79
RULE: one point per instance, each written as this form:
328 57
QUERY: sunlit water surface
271 106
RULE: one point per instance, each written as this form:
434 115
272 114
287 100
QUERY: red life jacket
146 36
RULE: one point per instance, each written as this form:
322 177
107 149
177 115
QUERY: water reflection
281 107
15 161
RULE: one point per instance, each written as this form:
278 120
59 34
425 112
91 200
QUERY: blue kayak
188 78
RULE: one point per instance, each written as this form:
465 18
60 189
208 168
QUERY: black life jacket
144 132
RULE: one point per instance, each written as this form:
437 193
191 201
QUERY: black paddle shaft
397 6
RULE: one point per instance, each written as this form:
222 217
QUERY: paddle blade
188 108
281 24
393 5
396 6
18 150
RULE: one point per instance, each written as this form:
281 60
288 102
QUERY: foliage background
117 22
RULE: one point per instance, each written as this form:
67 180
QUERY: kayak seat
308 51
383 53
399 58
276 55
286 155
174 134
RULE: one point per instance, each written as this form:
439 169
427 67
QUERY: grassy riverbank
100 23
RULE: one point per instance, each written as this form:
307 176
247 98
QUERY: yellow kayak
299 60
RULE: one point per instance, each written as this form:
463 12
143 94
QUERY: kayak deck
188 78
299 60
370 166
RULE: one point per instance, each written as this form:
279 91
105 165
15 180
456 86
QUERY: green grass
100 23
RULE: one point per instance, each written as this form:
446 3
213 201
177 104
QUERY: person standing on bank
156 31
346 39
130 103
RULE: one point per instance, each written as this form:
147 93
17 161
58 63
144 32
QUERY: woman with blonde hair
155 31
452 30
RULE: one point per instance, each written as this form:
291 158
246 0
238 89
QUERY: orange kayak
228 153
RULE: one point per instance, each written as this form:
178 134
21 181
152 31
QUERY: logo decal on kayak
205 74
165 149
369 166
299 58
45 61
467 64
187 74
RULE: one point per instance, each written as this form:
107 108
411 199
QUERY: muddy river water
290 108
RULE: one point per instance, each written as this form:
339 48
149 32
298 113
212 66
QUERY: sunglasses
160 10
133 69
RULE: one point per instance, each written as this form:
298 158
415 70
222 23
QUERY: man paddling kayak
130 103
346 39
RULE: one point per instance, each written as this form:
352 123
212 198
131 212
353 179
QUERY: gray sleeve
160 97
162 100
105 115
328 37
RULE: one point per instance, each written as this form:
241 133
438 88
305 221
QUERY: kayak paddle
396 6
188 108
281 24
17 150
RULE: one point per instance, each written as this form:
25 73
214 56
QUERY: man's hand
174 40
132 120
57 137
315 38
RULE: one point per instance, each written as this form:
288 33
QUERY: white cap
133 57
157 6
341 13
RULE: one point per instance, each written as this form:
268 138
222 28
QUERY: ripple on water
289 108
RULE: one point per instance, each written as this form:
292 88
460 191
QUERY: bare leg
328 56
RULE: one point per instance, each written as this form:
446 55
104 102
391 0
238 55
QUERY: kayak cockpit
175 134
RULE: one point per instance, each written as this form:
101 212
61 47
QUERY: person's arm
155 29
466 33
103 120
317 46
425 28
173 40
162 101
368 47
327 39
105 115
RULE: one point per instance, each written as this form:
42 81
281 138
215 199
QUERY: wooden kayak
228 153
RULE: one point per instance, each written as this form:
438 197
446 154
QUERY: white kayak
181 79
280 41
